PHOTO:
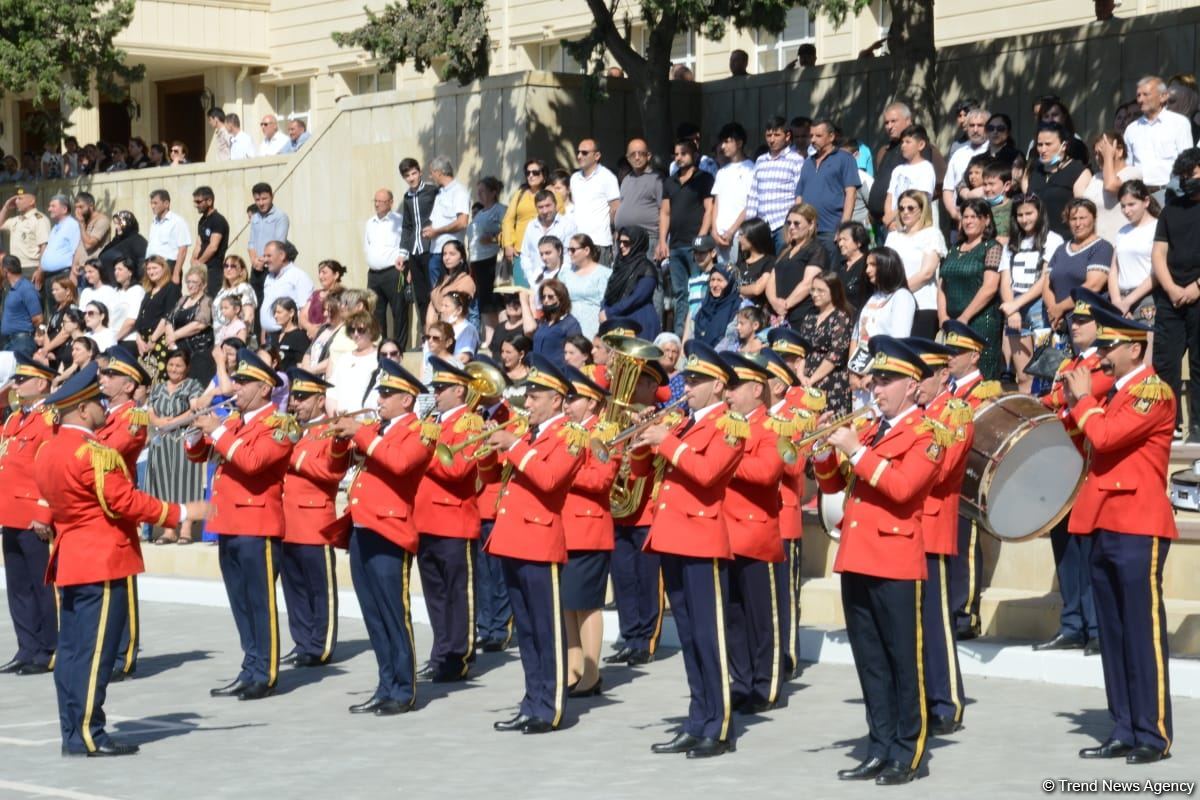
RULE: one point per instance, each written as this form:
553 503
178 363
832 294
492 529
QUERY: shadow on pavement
148 666
166 726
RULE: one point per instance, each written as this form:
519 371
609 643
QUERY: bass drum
1023 471
831 508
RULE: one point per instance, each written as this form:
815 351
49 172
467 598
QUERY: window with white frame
683 50
552 57
883 14
383 81
292 101
776 51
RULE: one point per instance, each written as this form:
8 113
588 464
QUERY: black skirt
585 580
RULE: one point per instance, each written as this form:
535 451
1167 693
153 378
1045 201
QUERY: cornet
604 450
790 450
186 422
368 415
445 453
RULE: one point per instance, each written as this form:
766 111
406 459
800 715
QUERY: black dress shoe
515 724
307 660
367 706
390 708
425 673
966 633
493 646
256 691
535 725
943 726
863 772
232 690
290 658
594 690
709 748
619 657
33 669
895 774
1060 642
1113 748
1145 754
680 744
639 657
12 666
120 675
755 707
113 749
1093 648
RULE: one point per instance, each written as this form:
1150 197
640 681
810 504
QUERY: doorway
181 114
115 125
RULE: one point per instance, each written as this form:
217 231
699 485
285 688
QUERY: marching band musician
530 540
887 469
255 445
614 326
447 518
1123 507
944 697
588 524
966 569
307 563
689 533
395 453
96 511
25 518
1077 627
493 612
125 429
793 348
757 573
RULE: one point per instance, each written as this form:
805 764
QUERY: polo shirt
451 200
687 206
61 246
21 305
823 186
1154 144
167 234
641 195
731 190
592 196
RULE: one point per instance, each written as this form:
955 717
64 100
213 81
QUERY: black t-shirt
858 287
687 205
503 334
1179 227
892 158
205 228
1056 190
789 272
155 306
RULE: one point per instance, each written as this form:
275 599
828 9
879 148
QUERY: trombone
445 453
604 450
789 450
186 421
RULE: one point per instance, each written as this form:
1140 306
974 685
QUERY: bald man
273 139
641 191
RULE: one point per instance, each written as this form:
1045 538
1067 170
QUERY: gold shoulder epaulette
285 427
956 413
430 430
50 416
470 422
782 426
1066 362
814 399
734 426
576 437
806 421
942 436
104 460
605 431
1153 389
138 418
986 390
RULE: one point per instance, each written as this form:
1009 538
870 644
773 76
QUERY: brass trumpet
370 415
186 422
445 453
604 450
789 450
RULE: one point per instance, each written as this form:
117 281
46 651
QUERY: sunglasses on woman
390 353
355 331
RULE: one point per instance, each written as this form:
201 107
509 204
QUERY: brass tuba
487 384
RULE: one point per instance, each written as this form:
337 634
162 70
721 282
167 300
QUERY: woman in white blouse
1130 281
97 287
921 248
130 294
352 373
96 319
891 309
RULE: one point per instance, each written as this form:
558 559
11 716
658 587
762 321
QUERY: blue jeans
683 266
20 343
436 270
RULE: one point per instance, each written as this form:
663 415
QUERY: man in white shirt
956 167
548 223
273 138
240 144
450 214
1156 139
284 279
169 236
381 243
730 191
596 194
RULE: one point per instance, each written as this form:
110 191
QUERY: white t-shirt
591 196
1027 264
1133 254
912 249
956 168
732 189
919 176
240 146
351 379
129 300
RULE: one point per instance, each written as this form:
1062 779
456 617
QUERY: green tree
58 51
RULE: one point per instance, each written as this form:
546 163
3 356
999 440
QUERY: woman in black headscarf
631 286
719 307
126 245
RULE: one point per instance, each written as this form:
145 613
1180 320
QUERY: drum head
1033 483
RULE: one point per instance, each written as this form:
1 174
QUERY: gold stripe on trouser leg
972 587
776 644
793 605
331 604
919 750
57 626
948 637
470 648
94 675
508 630
408 629
131 650
560 689
273 619
1160 672
662 609
722 651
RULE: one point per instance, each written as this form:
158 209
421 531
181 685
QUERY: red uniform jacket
315 469
886 490
446 502
587 517
529 523
1057 399
21 503
247 495
487 488
125 430
939 521
1130 437
690 517
791 492
752 499
96 510
383 491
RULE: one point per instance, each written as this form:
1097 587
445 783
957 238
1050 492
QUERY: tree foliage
449 35
57 51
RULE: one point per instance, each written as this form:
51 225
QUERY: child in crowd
915 173
997 186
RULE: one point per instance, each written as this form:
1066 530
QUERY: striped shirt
773 186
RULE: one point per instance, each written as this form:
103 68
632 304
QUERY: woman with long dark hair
801 260
756 250
828 330
969 283
1022 277
556 326
1055 175
1131 279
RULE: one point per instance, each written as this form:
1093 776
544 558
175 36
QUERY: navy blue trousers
790 605
637 587
1127 573
309 578
697 589
248 566
535 594
966 576
447 567
753 630
131 631
493 614
883 621
31 602
92 617
1072 563
380 570
943 678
